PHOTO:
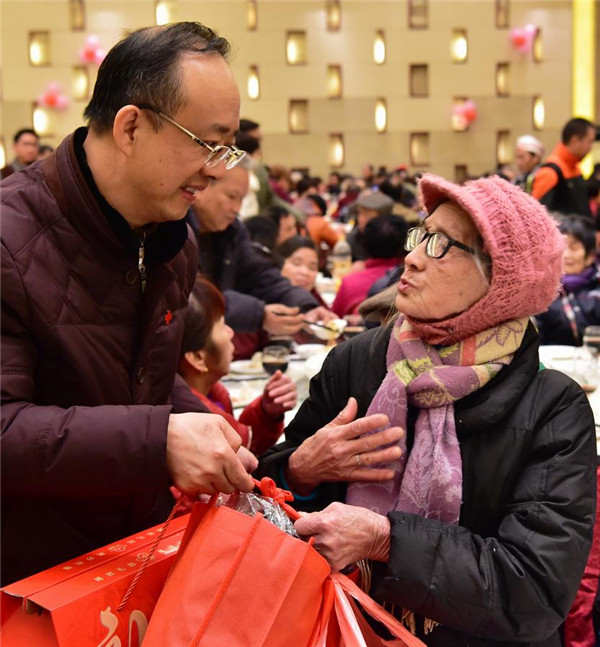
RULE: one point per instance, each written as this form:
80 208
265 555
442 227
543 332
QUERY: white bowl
334 329
308 350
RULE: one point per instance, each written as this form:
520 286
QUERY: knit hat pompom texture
523 242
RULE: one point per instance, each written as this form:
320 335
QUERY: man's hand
336 453
319 314
280 395
282 320
345 534
201 455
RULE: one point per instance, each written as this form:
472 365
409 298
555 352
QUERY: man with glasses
97 265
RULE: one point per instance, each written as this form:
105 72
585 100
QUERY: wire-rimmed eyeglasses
438 244
230 155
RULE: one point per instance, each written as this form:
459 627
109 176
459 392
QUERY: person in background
26 144
318 229
259 190
384 238
206 354
367 206
300 264
287 224
437 450
256 295
263 232
334 184
45 151
250 127
558 183
97 266
578 304
529 152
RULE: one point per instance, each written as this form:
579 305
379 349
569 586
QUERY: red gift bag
239 581
75 604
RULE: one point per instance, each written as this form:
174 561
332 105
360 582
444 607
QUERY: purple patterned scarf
429 481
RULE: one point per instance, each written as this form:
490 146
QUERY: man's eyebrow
221 129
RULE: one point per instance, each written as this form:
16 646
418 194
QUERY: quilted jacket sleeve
78 451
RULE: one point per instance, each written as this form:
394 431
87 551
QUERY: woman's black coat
509 571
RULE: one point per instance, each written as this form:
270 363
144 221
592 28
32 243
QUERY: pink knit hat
523 242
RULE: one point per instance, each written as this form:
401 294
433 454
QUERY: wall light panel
381 115
336 151
298 116
80 83
459 48
251 15
253 83
39 48
419 149
334 15
418 17
503 147
77 15
502 11
41 120
334 82
502 79
538 113
379 47
296 47
163 12
537 51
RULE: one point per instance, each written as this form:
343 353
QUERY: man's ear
126 128
196 359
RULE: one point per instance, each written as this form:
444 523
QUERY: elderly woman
469 486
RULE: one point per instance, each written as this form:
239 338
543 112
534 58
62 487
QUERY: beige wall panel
352 48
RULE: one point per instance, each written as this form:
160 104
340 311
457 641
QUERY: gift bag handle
346 585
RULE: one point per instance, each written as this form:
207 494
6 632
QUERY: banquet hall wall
419 128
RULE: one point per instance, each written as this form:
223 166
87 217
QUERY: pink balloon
469 111
522 37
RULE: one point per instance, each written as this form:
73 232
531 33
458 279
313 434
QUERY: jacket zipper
142 261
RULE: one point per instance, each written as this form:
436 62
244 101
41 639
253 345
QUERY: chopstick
320 325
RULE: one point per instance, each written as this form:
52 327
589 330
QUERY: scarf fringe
408 617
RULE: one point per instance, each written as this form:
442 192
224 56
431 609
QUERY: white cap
532 145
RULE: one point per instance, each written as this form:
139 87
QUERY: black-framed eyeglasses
438 244
230 155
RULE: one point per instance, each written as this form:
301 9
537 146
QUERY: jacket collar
71 182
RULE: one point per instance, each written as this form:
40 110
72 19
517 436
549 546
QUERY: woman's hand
345 534
336 453
280 395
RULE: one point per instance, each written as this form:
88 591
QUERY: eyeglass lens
436 242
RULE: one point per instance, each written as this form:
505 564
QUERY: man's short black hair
24 131
246 142
384 236
144 68
246 125
262 230
577 127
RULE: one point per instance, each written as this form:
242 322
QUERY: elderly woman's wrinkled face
434 289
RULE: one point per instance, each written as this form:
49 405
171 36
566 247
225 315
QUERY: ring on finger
358 459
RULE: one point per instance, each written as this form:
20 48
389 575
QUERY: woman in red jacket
206 353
